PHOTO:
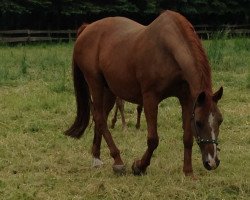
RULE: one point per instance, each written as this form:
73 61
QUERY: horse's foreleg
150 103
187 138
139 111
103 102
188 144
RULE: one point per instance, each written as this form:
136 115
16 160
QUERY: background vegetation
38 162
61 14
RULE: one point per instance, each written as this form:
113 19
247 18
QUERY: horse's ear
217 95
201 99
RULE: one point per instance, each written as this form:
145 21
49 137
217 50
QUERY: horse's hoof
119 169
97 162
136 170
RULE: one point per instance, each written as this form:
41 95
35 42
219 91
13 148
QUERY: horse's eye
220 121
199 124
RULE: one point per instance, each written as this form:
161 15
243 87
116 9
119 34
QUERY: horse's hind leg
97 112
97 92
103 102
108 104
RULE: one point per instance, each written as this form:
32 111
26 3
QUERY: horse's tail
82 102
82 27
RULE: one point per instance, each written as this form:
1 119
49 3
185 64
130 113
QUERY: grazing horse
117 57
119 105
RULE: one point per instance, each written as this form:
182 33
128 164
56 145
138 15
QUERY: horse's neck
170 33
188 62
194 76
189 66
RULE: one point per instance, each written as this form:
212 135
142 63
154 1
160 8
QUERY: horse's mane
195 45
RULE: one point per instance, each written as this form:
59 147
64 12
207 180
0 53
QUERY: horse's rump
107 48
81 28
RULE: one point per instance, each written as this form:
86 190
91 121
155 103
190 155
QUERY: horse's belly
124 86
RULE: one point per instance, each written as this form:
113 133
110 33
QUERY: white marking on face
211 159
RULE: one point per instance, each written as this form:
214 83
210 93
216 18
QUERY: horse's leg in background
139 111
150 104
113 121
103 102
186 105
120 104
100 97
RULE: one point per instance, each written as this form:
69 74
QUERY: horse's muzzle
211 165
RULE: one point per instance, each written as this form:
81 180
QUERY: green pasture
38 162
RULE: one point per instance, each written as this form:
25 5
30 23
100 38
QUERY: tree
61 13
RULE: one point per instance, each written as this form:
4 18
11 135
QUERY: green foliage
220 49
216 47
56 11
12 7
248 80
23 7
26 63
69 7
23 64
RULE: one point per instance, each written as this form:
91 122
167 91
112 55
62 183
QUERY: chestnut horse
117 57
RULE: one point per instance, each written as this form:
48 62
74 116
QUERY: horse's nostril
207 166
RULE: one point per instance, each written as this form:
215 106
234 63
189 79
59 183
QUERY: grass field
38 162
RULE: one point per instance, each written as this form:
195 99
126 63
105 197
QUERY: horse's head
206 120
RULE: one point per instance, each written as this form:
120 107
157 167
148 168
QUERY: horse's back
105 34
107 28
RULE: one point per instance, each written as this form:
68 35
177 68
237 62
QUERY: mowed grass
38 162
